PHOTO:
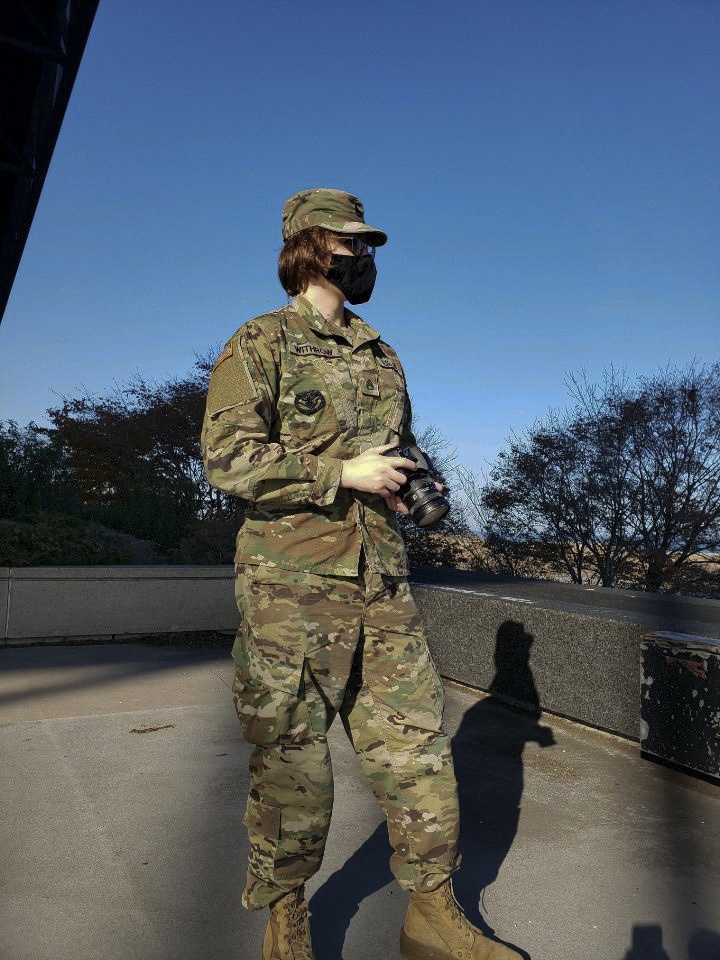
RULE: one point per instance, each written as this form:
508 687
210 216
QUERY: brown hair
305 255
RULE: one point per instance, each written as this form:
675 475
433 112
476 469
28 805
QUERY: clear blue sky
547 173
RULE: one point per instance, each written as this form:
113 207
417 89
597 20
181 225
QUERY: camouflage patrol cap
332 209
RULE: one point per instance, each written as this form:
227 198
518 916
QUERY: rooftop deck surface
129 846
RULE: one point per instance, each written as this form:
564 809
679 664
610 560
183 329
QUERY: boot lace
299 935
455 911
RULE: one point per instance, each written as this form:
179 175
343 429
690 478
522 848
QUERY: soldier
301 404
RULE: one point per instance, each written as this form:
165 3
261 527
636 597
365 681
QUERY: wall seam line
7 603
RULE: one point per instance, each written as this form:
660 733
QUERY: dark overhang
41 45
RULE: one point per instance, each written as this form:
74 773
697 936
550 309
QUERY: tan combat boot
435 928
287 936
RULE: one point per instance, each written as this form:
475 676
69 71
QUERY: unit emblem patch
309 401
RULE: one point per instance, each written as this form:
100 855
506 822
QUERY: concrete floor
127 845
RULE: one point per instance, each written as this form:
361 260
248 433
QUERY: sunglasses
358 246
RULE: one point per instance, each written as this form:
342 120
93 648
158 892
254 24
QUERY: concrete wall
578 666
567 663
63 603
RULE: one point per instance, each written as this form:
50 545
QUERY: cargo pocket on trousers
268 659
263 825
266 687
265 712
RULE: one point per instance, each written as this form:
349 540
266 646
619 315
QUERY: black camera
426 504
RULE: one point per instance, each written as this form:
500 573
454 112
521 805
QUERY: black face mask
354 276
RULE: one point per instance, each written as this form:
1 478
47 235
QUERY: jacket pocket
311 401
394 390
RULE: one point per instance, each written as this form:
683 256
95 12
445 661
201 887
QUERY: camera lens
424 501
420 495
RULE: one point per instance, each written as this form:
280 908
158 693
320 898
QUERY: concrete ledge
55 602
581 667
185 638
688 641
529 653
122 572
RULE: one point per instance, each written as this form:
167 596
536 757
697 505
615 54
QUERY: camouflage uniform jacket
290 397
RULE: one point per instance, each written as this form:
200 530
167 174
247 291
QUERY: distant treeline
119 478
620 489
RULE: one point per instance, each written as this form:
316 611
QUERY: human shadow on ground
487 752
647 944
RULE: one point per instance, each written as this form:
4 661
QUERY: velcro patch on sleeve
231 380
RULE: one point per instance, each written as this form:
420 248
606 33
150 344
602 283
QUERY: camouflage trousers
311 646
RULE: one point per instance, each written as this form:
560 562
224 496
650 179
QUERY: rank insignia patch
370 387
309 401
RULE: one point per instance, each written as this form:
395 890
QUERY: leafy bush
47 539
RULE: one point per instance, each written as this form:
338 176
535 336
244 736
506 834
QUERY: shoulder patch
232 380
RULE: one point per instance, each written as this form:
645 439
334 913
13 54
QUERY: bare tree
675 466
627 479
601 427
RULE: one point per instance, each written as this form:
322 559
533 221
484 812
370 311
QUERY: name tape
311 349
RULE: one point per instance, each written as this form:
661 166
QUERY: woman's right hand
372 472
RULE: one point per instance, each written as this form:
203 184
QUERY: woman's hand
372 472
395 503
